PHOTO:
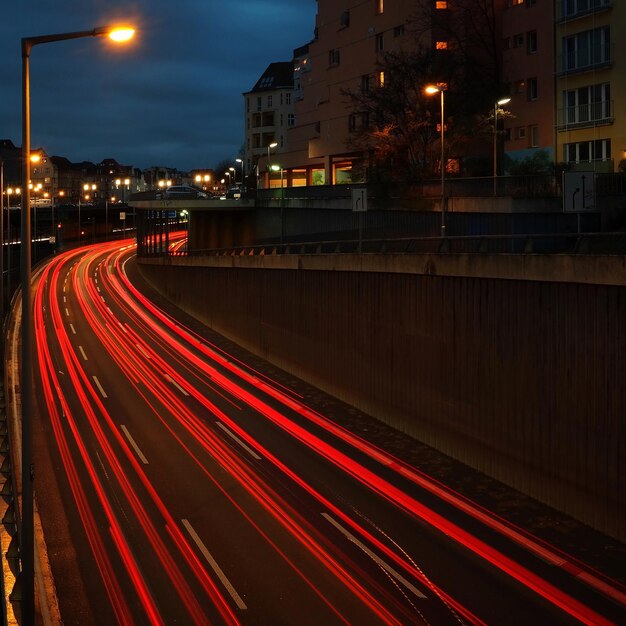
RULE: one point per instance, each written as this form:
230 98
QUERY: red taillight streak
112 344
168 562
125 553
526 577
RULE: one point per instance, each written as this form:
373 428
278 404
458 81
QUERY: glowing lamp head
431 90
121 34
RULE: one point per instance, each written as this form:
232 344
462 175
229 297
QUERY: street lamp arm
29 42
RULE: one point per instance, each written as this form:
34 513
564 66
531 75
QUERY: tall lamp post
430 90
497 104
275 168
26 536
271 146
232 169
240 161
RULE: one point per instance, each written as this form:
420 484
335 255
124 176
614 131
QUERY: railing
565 243
594 57
574 9
594 113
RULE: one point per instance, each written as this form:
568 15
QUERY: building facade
343 56
527 61
269 114
590 83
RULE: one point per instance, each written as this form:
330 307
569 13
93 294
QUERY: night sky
172 97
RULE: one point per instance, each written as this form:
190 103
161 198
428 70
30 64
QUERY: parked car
181 192
234 193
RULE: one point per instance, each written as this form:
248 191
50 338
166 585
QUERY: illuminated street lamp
275 168
242 174
232 169
431 90
271 146
26 531
499 103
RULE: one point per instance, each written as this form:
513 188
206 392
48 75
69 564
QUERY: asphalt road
179 484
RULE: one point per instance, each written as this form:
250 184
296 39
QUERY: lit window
380 6
441 4
441 45
381 79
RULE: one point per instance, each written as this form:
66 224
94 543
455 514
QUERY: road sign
359 200
578 192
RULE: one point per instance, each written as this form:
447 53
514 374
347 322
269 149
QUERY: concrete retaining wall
514 365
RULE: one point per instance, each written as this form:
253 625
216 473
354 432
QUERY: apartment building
269 113
527 62
590 83
349 38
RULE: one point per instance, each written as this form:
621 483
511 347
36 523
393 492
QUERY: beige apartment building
343 56
590 84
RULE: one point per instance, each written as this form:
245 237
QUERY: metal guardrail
563 243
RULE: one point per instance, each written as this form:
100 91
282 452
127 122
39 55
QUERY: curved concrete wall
514 365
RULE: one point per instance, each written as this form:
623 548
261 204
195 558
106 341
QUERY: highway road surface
177 484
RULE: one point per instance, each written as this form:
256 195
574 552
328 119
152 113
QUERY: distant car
234 193
181 192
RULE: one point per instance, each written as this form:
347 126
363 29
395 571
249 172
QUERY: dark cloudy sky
172 97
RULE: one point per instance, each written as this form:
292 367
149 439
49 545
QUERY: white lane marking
133 443
100 389
67 313
142 351
213 563
171 380
64 299
83 353
241 443
377 559
97 288
72 329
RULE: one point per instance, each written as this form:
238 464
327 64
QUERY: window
586 49
269 101
287 98
333 57
441 45
259 105
530 3
518 40
533 132
513 3
531 89
398 31
380 79
506 43
520 132
281 99
365 83
291 119
282 120
573 7
587 104
344 20
441 4
379 7
587 151
531 42
380 42
247 105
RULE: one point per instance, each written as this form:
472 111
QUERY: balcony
585 115
585 60
569 10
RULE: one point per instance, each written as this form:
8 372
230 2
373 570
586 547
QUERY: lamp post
271 146
242 174
232 169
500 102
430 90
275 168
26 530
10 191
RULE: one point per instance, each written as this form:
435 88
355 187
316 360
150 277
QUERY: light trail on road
139 391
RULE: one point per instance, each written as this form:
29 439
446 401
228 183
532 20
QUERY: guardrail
563 243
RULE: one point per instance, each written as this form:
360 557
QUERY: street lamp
430 90
271 146
26 536
232 169
275 168
499 103
242 175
